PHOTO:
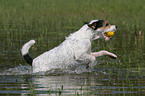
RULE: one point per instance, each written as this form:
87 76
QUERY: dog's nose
116 27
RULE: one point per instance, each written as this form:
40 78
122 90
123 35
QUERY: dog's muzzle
109 32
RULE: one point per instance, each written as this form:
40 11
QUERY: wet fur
77 46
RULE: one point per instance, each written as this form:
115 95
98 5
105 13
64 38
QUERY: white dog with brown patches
76 47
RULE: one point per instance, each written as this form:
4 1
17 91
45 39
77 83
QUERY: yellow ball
110 34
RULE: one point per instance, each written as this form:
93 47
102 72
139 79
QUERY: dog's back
66 53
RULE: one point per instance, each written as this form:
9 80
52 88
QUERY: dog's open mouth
108 35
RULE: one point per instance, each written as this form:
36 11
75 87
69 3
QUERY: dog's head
101 28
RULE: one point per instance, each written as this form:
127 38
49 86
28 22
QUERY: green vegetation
72 13
50 21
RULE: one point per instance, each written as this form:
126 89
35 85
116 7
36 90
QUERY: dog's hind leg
89 57
102 53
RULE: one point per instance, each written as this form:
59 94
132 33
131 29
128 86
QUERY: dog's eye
107 24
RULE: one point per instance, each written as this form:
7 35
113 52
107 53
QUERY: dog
77 46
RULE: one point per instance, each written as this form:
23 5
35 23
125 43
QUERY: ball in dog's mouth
109 34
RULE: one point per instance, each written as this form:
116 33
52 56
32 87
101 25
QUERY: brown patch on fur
106 25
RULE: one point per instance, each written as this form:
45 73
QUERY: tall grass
49 21
62 13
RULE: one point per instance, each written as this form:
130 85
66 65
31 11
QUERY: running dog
77 46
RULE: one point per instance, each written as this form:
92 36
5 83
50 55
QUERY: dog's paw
113 56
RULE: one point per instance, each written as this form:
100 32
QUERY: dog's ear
97 24
92 26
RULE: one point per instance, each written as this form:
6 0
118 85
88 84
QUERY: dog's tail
25 50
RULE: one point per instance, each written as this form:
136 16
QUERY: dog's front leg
90 58
102 53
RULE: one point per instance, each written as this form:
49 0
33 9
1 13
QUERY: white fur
25 48
93 21
76 46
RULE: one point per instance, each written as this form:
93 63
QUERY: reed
50 21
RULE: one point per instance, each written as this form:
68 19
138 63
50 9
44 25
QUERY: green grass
72 13
49 21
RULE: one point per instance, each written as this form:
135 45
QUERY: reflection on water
73 84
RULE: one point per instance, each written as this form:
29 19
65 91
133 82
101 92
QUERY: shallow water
124 76
94 83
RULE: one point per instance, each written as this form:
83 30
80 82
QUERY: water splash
18 70
26 69
77 68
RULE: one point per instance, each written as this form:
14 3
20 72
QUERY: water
94 83
124 76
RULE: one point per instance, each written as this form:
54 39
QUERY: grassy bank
62 13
